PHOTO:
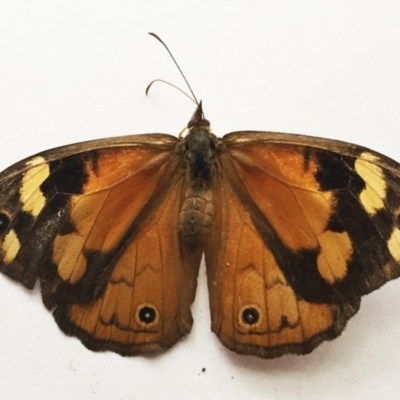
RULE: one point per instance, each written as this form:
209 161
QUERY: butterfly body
294 231
199 150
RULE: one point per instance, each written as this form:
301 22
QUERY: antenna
170 84
194 99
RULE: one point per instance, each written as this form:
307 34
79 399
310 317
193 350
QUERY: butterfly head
198 121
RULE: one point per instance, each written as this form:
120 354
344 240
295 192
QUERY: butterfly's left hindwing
79 217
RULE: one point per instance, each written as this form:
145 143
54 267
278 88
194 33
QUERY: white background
77 70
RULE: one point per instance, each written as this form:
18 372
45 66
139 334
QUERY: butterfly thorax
199 147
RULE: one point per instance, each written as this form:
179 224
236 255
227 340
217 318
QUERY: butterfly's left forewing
85 220
335 204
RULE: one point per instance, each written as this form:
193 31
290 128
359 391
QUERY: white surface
77 70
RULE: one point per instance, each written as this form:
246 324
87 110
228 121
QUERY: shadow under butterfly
294 230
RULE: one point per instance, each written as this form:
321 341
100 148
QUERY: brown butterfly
294 230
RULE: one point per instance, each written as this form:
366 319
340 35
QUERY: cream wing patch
10 247
31 197
373 196
335 253
394 244
69 257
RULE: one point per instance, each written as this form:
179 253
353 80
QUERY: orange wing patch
112 198
282 182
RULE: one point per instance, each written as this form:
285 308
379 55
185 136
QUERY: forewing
328 210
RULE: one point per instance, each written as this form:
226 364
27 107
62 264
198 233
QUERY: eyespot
147 315
250 316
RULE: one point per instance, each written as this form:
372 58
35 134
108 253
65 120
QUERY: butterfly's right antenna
194 99
174 86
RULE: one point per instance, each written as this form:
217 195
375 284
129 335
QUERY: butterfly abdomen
196 216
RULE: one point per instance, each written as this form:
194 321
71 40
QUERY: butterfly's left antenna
194 99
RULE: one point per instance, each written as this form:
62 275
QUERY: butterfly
294 230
